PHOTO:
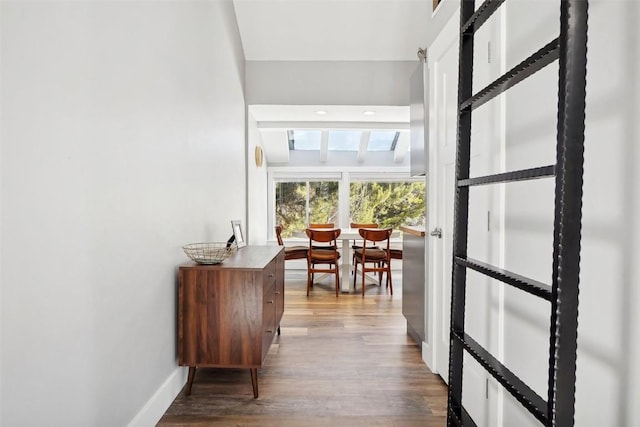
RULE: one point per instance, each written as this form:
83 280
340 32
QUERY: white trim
343 199
158 404
324 146
303 176
385 177
427 357
313 171
334 125
364 144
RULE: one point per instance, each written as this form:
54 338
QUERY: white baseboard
427 357
158 404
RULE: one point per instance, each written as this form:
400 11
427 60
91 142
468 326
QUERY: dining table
346 236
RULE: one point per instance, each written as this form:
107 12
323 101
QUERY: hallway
338 362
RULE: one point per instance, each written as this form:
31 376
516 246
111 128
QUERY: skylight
304 140
344 140
383 140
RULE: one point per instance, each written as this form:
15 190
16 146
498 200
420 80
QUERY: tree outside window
301 203
390 204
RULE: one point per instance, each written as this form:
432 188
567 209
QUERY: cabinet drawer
270 273
269 288
269 326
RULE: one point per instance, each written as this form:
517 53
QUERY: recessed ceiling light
321 112
369 113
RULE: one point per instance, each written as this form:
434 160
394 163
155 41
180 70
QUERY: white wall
122 139
609 333
329 82
530 117
440 17
607 390
257 189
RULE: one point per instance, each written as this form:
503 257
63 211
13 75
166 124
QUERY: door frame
447 36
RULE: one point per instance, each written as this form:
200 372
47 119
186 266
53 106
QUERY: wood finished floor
338 362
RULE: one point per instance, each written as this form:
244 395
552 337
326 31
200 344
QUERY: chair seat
323 247
354 247
372 254
288 249
321 255
296 252
395 253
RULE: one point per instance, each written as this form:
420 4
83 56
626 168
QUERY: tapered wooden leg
192 374
278 330
337 279
254 381
309 277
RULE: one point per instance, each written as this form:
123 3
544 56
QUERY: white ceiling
334 113
332 30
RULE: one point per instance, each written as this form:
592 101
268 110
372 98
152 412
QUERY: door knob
437 232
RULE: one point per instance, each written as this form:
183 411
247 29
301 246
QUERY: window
388 199
302 202
390 204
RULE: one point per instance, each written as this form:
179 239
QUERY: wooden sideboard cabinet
229 313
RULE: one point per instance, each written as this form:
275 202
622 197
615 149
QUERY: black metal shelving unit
570 50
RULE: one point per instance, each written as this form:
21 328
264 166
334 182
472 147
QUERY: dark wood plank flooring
343 361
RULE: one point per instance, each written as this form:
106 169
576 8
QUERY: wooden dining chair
355 243
328 255
291 252
393 254
380 257
322 225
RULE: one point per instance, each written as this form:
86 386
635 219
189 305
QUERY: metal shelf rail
570 50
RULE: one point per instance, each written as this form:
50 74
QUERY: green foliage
291 202
390 204
290 206
323 202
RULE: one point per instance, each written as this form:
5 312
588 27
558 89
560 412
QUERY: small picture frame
236 225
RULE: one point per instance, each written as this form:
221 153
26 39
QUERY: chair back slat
323 236
279 235
375 235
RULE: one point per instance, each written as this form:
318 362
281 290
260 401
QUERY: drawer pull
277 292
270 301
270 331
271 276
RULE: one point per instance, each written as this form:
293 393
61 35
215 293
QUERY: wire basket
210 252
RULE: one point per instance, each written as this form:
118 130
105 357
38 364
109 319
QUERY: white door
443 66
478 396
